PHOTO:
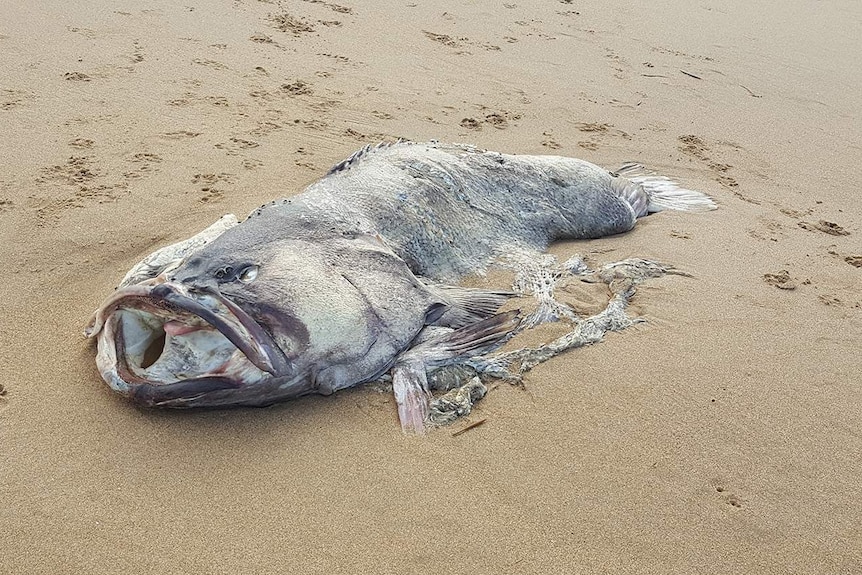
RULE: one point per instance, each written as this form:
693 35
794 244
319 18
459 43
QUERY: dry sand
722 436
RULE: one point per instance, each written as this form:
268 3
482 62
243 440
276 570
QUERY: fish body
352 278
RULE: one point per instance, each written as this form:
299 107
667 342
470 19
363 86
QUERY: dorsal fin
359 154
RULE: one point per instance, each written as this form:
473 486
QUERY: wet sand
720 436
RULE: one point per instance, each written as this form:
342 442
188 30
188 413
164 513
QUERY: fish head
251 324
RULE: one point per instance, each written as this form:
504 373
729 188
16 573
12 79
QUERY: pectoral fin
465 306
410 384
409 375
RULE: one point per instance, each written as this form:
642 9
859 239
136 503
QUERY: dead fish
354 277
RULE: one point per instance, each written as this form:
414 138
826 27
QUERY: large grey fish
353 278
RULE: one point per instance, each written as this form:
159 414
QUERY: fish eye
248 274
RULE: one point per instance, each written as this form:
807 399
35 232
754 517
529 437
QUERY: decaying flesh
354 279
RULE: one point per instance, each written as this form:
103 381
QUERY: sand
720 436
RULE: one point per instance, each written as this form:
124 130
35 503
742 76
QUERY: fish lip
244 332
148 394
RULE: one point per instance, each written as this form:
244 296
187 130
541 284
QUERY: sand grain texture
722 436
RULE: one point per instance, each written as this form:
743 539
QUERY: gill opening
154 350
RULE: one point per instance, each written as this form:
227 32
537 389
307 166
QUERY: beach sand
719 436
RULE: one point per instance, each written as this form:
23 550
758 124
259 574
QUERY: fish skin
446 209
344 272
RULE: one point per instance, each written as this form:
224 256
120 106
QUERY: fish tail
647 192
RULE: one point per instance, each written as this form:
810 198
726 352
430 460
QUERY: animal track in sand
829 299
263 39
251 164
444 39
471 124
76 77
781 280
618 64
10 99
210 195
796 214
179 102
87 183
549 142
6 205
82 143
215 65
137 54
180 134
855 261
145 165
210 179
76 170
729 498
830 228
290 24
233 147
499 120
297 88
695 147
661 50
459 43
303 161
264 128
334 7
597 132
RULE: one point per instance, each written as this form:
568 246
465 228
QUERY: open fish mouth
163 344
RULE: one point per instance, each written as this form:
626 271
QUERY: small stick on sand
692 75
469 427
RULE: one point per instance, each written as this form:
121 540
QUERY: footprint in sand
781 280
855 261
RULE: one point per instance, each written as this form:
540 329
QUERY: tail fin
661 193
